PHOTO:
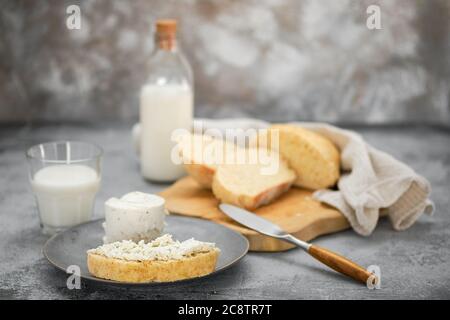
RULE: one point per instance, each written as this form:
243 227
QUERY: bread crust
201 173
195 166
260 194
121 270
246 201
314 158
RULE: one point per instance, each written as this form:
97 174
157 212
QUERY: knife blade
252 221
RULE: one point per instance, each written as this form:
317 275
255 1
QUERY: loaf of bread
251 185
162 260
314 158
306 159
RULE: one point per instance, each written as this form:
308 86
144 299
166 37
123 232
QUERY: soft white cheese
136 216
163 248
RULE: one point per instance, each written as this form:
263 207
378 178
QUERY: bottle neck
166 42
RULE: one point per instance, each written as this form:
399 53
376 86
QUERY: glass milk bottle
166 104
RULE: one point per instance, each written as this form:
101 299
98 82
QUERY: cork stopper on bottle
166 31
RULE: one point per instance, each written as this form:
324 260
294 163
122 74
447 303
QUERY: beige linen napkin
371 180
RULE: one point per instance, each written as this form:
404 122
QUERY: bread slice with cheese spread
314 158
162 260
250 185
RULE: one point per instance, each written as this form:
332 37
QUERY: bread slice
246 185
203 173
202 154
160 260
314 158
197 265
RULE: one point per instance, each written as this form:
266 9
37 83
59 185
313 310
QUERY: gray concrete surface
414 263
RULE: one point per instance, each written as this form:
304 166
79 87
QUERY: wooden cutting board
295 211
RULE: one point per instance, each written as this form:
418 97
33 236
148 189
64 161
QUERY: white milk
65 194
162 110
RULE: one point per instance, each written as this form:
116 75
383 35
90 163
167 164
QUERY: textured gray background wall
273 59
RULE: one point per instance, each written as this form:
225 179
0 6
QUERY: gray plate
69 247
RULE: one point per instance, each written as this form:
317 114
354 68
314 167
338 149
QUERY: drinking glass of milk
65 177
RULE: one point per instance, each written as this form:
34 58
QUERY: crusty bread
202 155
197 265
246 186
314 158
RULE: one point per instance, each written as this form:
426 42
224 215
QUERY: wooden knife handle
341 264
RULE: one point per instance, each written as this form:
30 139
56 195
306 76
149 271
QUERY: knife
327 257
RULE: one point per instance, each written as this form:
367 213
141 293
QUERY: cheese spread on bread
135 216
163 248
